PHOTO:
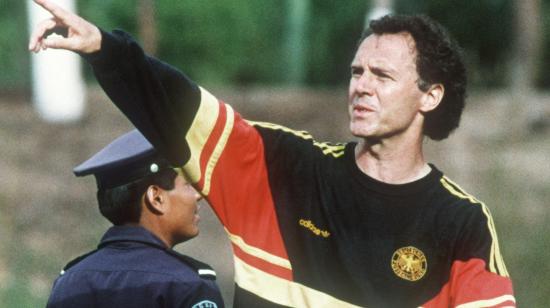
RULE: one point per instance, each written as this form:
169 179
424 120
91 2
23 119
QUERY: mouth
361 110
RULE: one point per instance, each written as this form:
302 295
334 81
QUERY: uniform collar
131 234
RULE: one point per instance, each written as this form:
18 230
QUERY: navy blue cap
128 158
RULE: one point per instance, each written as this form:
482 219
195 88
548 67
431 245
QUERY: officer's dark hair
122 204
438 60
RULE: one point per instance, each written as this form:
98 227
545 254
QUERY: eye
356 71
382 75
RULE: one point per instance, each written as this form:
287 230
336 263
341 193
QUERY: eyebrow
382 70
374 68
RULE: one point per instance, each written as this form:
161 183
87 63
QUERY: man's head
137 187
407 72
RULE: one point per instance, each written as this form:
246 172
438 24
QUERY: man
314 224
152 208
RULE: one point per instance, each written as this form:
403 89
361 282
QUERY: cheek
350 95
189 201
398 95
354 85
390 89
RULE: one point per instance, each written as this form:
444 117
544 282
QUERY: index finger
38 33
57 11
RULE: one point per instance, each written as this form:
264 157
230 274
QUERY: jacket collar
131 234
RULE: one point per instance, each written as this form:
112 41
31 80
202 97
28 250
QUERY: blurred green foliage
220 41
14 62
242 42
109 14
543 80
333 34
482 28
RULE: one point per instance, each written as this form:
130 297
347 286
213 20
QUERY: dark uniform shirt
133 268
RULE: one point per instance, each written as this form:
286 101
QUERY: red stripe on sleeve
212 141
240 192
471 282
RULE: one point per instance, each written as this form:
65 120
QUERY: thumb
58 42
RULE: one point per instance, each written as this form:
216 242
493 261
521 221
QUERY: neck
153 226
392 161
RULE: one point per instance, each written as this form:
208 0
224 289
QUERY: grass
519 207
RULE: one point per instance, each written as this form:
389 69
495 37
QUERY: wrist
96 39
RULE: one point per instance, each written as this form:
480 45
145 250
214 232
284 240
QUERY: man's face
183 216
384 98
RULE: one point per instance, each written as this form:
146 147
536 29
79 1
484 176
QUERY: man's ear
432 97
155 199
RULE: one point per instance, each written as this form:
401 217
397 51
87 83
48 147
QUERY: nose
198 196
364 84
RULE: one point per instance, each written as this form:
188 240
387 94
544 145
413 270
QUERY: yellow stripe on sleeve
496 262
199 131
257 252
282 291
220 145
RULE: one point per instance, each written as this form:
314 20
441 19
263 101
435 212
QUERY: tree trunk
528 41
379 9
296 41
523 105
58 89
147 25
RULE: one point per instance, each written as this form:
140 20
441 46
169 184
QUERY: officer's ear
155 199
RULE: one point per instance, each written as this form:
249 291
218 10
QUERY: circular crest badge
409 263
205 304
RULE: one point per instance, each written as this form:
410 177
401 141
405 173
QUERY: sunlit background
285 61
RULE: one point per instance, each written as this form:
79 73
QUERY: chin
188 235
194 234
362 129
360 133
359 129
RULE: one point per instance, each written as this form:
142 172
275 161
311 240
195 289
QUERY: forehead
390 49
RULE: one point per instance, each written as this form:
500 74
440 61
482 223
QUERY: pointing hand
79 35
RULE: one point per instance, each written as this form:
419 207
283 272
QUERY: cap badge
154 168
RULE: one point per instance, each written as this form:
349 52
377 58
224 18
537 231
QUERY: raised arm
156 97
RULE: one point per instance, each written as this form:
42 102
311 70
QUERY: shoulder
178 267
461 210
201 269
275 135
457 198
167 262
164 273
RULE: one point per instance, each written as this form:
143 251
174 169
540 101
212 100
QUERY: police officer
153 208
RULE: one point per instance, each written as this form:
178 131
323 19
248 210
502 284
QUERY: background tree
527 43
147 25
254 43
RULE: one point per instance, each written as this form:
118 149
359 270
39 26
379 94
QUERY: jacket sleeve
478 275
156 97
